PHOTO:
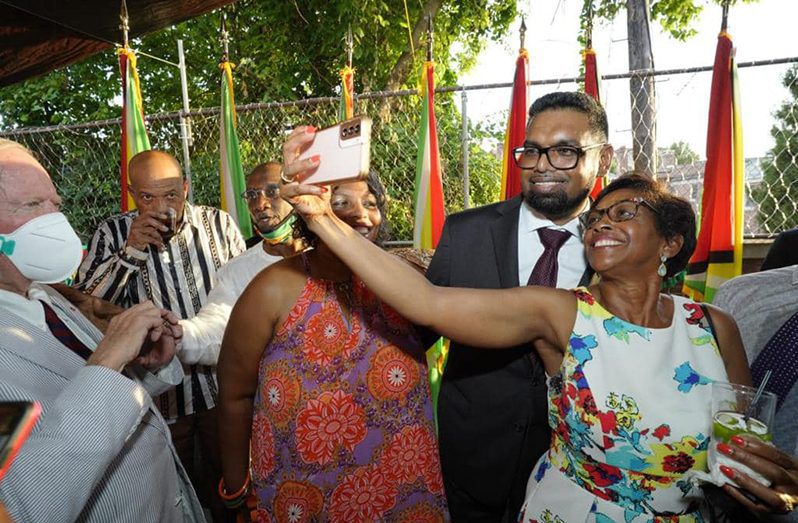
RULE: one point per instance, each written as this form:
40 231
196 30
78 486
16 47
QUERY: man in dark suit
783 252
492 407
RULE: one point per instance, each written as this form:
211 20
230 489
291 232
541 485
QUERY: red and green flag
231 174
347 108
428 194
134 133
593 88
516 128
718 255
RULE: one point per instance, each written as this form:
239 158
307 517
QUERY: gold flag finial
523 32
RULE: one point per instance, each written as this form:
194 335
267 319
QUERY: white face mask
45 249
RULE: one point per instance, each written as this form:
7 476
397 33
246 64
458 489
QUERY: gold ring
789 501
287 180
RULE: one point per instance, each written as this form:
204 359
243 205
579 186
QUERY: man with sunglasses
492 411
272 219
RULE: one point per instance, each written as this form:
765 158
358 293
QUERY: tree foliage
683 153
777 194
676 17
284 51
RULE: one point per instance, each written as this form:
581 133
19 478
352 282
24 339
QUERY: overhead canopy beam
38 36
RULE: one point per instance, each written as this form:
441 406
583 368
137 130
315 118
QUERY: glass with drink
736 410
171 223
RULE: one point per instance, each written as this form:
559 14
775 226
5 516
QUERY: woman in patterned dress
329 386
628 366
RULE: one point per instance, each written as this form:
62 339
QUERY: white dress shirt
31 310
571 260
202 334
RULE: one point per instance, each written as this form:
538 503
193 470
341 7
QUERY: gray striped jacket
100 452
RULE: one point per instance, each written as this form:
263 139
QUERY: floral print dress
342 428
630 417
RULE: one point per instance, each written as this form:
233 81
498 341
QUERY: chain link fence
83 160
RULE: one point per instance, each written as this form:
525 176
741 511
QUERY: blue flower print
619 329
581 347
688 378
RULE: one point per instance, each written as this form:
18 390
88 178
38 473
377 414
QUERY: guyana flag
346 110
593 88
718 255
516 128
429 215
428 194
231 175
134 134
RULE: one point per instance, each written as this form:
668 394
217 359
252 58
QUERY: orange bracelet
235 500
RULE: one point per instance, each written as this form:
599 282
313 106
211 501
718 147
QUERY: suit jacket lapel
37 346
504 231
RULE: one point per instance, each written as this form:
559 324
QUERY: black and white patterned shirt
178 278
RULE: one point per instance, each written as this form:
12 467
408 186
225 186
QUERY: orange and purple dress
342 428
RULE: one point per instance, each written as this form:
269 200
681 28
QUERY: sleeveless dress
342 429
630 417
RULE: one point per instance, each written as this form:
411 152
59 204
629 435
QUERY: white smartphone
344 151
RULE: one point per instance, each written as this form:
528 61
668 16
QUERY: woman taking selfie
628 366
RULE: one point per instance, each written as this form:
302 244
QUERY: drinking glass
737 410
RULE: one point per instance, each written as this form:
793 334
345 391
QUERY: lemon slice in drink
728 424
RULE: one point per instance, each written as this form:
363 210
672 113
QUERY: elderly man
202 334
168 251
100 451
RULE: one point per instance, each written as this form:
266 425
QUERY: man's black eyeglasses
562 157
621 211
271 192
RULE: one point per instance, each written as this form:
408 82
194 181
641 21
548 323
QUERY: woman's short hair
674 216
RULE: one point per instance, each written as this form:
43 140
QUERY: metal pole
466 183
185 122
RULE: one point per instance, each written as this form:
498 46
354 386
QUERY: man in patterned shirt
168 251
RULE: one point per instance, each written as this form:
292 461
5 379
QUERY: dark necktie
63 334
545 271
780 355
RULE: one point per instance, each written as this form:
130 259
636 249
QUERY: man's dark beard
555 204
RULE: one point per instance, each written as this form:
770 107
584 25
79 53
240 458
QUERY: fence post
466 183
185 122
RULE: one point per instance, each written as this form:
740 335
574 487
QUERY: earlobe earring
662 270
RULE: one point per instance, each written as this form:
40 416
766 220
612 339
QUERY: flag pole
429 38
224 37
124 24
350 46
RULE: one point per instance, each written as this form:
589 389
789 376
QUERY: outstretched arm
479 317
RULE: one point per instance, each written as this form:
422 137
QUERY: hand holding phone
17 419
344 152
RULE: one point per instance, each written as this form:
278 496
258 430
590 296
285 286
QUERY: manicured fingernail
310 129
727 471
315 158
737 440
323 189
724 449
